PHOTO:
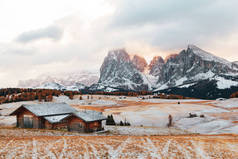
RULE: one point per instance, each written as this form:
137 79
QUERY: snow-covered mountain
70 79
188 73
76 87
197 73
57 86
156 65
118 71
194 64
235 63
191 67
51 85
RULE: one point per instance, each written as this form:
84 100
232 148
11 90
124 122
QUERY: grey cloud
176 23
51 32
141 12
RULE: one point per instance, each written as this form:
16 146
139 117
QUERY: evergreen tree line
122 93
170 96
110 121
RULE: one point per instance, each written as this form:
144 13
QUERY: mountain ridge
183 70
190 68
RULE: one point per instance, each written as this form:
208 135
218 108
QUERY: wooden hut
45 115
85 121
57 116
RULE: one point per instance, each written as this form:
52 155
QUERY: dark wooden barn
57 116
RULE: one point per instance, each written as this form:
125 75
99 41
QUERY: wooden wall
95 126
36 121
48 125
77 124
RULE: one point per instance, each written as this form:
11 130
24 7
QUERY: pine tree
110 120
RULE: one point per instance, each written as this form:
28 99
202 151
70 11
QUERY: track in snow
209 147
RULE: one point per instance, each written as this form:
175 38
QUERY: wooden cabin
85 121
57 116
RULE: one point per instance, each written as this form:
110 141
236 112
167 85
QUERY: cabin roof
55 112
56 118
89 115
48 109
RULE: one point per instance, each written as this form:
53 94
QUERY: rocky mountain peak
156 60
156 65
139 62
193 47
206 56
171 56
119 71
119 55
192 65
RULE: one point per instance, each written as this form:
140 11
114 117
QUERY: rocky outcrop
191 65
119 71
177 70
139 62
156 66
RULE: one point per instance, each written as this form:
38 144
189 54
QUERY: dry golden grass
183 146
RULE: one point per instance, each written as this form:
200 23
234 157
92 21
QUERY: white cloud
81 32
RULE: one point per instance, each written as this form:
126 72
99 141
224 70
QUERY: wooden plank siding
77 124
36 121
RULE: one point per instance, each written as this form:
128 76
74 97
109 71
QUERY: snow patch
228 103
223 83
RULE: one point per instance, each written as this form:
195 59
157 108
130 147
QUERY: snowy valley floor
148 137
221 117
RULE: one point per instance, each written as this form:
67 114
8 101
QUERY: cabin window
28 121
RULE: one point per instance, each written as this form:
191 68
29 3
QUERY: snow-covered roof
55 112
47 109
89 115
56 118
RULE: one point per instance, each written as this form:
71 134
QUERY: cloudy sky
54 36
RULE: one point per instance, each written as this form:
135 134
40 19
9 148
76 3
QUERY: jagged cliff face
113 65
191 65
156 65
119 71
169 57
140 63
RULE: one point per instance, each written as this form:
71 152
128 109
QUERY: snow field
221 116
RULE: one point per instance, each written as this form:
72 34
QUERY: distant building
57 116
